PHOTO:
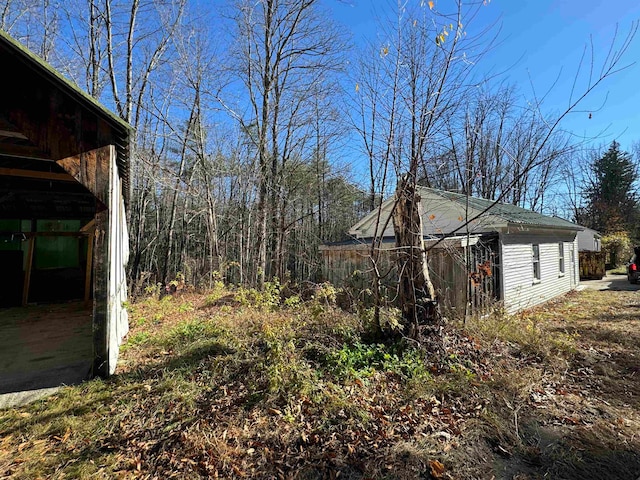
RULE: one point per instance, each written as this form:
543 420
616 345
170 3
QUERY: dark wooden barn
64 181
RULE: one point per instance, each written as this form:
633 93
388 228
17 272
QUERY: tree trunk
415 290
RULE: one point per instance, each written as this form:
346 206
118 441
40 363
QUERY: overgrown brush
525 332
215 385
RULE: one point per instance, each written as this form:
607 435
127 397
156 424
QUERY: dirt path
583 421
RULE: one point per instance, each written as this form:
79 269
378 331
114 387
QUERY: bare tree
435 66
490 142
36 24
424 66
284 46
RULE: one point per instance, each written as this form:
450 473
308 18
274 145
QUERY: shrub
617 247
267 299
217 292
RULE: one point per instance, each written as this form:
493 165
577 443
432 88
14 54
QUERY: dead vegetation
241 386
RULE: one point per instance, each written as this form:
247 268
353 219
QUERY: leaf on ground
436 468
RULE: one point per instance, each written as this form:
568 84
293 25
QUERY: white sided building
518 257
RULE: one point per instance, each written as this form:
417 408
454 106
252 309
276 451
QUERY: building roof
48 71
122 130
446 213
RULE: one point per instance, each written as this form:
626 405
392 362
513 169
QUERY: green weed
286 370
267 299
218 291
138 338
190 331
363 360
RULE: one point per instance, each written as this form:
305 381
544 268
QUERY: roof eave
520 226
124 131
67 85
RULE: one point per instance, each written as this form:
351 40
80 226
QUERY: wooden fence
592 265
455 284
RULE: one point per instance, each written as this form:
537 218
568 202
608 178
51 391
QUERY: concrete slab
18 399
609 282
41 348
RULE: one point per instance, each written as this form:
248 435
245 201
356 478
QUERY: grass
621 270
235 386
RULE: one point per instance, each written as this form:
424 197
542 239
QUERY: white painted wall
589 241
118 320
520 291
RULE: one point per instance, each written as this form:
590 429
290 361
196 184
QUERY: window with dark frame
561 257
536 262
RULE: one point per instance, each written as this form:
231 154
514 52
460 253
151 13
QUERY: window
536 262
561 257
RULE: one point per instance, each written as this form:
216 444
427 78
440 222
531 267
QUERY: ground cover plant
246 385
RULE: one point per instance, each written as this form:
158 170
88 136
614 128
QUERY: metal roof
449 213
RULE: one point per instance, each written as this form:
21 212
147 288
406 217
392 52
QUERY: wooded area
248 115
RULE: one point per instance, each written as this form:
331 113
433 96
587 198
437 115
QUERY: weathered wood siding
351 265
592 265
520 290
449 277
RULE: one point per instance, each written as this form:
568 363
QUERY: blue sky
540 43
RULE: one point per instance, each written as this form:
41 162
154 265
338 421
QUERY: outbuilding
480 254
64 188
592 258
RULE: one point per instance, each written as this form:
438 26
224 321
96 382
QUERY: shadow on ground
616 283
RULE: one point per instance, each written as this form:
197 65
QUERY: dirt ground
42 347
584 421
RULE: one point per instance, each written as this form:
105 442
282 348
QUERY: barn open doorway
46 294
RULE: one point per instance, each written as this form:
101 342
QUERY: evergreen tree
611 194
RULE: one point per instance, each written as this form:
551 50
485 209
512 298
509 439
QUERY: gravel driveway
609 282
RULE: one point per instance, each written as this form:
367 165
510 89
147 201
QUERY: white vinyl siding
520 289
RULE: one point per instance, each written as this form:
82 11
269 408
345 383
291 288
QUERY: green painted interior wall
57 252
6 241
50 252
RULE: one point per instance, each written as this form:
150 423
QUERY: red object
633 267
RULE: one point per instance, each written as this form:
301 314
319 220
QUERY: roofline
594 232
426 238
63 82
502 225
570 228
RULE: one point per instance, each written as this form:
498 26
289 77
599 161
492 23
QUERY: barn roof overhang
46 118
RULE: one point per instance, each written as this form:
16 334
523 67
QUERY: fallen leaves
212 415
64 438
436 468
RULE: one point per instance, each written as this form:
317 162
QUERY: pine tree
611 195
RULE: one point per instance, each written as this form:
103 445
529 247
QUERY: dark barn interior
46 285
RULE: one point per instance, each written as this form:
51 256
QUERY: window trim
562 267
535 261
